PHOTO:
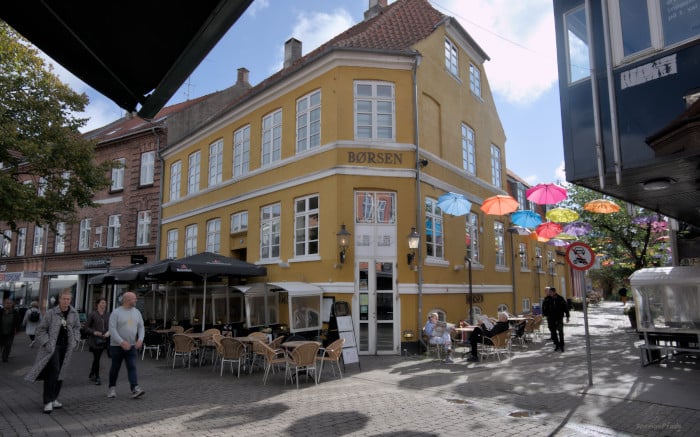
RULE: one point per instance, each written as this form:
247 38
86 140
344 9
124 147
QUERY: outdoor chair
496 345
183 346
273 358
302 358
152 341
332 353
233 352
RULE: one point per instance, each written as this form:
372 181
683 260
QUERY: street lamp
413 242
343 237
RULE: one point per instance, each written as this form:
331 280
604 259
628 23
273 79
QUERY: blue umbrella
454 204
526 218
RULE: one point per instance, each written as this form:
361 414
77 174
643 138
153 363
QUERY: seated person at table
485 331
439 333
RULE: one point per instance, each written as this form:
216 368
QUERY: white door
376 307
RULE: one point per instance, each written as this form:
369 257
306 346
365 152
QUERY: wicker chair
258 336
332 354
273 358
496 345
233 352
216 340
177 329
207 345
183 346
152 341
303 358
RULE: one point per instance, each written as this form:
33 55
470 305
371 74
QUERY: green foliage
626 241
40 141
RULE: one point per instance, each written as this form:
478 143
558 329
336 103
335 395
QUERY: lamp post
512 230
468 260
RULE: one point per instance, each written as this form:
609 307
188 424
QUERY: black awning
133 52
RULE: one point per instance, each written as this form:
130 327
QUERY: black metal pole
471 296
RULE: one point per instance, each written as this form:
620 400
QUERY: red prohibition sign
580 256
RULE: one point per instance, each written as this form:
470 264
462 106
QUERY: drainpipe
419 252
160 194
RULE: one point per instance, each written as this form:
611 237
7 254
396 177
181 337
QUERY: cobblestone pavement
537 392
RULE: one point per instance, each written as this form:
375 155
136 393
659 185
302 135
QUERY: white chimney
292 51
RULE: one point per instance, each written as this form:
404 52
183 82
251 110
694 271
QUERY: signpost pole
581 257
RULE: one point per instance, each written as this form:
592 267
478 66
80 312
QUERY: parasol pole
204 302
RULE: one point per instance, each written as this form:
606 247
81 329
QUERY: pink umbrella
548 230
546 194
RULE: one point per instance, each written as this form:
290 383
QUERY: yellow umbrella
562 215
601 206
565 236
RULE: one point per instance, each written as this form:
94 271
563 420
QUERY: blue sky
518 36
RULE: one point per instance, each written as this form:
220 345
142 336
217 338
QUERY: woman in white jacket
30 325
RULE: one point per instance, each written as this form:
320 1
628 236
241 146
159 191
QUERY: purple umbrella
577 228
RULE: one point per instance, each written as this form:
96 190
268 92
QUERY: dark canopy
135 52
205 264
133 273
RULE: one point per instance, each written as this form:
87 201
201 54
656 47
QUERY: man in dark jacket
554 308
10 322
481 331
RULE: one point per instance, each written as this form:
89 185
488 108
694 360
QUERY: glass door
376 307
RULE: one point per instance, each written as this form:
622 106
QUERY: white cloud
519 38
560 172
532 179
256 7
315 28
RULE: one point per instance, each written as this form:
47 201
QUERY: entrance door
376 307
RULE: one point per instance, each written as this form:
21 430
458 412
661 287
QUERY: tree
47 168
628 240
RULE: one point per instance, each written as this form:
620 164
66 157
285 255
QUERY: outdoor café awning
298 288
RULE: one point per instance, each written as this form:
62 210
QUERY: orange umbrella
499 205
548 229
601 206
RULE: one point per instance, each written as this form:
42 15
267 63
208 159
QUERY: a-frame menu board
346 331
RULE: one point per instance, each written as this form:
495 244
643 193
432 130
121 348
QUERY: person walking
31 320
97 327
623 295
57 335
126 330
10 323
554 308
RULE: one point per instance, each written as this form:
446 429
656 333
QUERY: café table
291 345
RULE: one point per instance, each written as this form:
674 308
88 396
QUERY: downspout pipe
418 165
160 190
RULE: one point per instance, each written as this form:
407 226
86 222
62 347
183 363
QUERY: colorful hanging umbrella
601 206
578 229
557 242
546 194
565 236
561 215
454 204
548 229
499 205
526 218
538 238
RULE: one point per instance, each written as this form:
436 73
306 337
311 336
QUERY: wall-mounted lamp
343 237
413 242
423 163
407 334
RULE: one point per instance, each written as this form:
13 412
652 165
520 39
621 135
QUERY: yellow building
364 134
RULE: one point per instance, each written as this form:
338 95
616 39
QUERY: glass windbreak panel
577 44
255 306
306 313
634 20
679 20
385 337
235 308
273 311
668 307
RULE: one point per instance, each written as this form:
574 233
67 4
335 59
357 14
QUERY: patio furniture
302 358
331 354
496 345
273 358
233 352
183 346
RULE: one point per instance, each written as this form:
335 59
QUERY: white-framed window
538 258
374 110
43 185
114 226
193 172
66 182
309 121
271 138
6 243
38 247
175 179
214 236
191 240
526 305
85 230
148 166
143 228
495 165
306 226
475 80
239 221
171 251
468 153
551 263
21 241
578 62
270 231
451 57
216 162
118 174
434 241
640 27
521 193
241 151
522 253
60 239
377 207
472 229
499 241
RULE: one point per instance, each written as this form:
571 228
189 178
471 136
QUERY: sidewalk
537 392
